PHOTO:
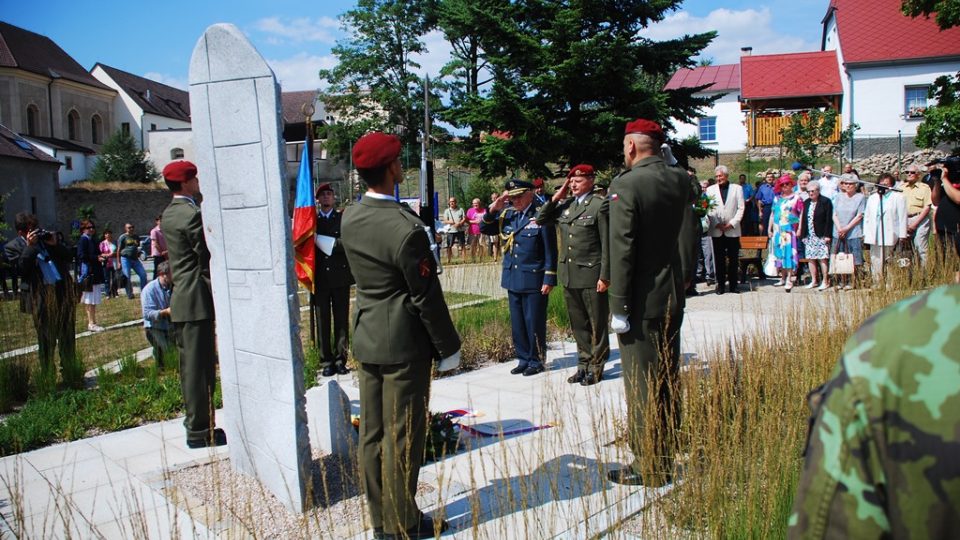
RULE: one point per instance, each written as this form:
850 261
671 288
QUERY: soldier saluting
400 326
583 266
529 270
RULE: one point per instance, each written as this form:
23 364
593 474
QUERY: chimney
148 90
746 51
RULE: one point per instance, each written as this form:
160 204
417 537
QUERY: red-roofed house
887 62
875 67
721 127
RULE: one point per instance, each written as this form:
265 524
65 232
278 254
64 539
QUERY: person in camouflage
883 452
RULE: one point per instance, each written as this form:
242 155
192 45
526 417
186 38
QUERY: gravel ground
237 503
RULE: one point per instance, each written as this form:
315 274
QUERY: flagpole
427 205
307 109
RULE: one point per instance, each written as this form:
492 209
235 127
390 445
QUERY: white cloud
438 54
299 72
735 29
167 80
322 29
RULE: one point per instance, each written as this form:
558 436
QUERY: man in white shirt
724 221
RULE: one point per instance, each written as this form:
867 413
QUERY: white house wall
163 142
875 101
731 131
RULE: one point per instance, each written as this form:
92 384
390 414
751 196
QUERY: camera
43 234
953 167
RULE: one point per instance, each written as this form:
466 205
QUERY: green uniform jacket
883 453
690 232
646 210
583 258
182 226
400 313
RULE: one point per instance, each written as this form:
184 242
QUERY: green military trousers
198 357
650 357
589 311
393 427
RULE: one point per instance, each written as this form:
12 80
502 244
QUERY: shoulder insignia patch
425 268
614 197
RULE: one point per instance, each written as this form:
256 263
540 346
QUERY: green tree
941 122
810 134
947 11
121 161
566 77
375 85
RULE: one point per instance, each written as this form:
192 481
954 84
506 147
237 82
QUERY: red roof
876 31
721 78
790 75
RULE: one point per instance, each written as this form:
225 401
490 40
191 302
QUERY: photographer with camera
46 289
946 196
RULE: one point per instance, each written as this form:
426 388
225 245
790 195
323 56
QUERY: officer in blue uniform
529 270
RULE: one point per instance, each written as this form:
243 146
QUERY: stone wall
116 207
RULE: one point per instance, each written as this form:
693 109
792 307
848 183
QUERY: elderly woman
884 223
848 208
803 182
91 273
782 229
816 231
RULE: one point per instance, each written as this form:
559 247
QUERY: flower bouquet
703 205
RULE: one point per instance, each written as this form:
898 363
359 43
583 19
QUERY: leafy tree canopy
121 161
941 122
811 133
947 11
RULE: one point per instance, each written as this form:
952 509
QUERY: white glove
325 243
667 154
620 324
450 362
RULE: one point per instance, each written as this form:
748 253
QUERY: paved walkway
542 484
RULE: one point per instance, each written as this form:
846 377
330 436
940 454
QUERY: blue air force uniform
529 262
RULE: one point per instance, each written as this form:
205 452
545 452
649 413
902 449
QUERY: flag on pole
304 223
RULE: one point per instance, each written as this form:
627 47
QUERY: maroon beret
375 150
179 171
646 127
581 170
323 187
538 182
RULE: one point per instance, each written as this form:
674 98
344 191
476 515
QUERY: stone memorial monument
235 109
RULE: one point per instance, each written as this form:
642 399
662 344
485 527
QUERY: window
176 153
33 120
915 101
68 162
96 129
125 128
73 125
153 127
707 128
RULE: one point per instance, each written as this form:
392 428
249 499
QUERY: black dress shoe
532 370
628 477
427 528
328 371
691 292
342 368
720 290
378 533
734 290
576 377
590 379
518 370
219 439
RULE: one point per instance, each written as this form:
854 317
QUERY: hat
179 171
375 150
784 180
581 170
323 187
647 127
516 186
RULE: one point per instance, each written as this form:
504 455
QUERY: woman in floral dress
782 229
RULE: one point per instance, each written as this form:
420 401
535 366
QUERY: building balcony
766 130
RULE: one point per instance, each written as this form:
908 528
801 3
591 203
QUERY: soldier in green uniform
883 452
400 326
583 267
191 306
646 298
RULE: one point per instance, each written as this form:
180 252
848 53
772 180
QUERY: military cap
515 186
647 127
375 150
179 171
581 170
323 187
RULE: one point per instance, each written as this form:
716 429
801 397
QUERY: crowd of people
809 222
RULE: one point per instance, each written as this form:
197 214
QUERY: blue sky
155 40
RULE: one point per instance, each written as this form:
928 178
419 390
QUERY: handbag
841 262
770 265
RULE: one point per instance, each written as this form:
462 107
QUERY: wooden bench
755 259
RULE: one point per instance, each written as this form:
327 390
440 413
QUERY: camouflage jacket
883 452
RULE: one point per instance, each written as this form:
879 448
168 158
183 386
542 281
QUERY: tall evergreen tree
121 161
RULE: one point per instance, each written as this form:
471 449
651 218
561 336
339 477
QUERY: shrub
14 383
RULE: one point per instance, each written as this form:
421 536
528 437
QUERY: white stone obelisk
235 110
